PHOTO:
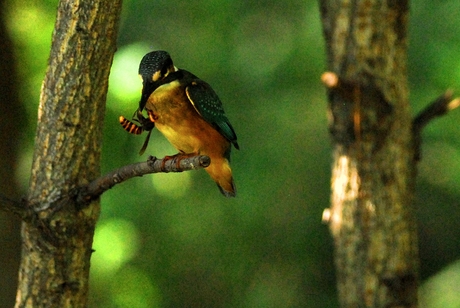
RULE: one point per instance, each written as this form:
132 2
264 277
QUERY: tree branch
153 165
96 188
437 108
17 208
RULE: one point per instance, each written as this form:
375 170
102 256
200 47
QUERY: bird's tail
221 173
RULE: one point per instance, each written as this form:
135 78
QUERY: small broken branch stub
439 107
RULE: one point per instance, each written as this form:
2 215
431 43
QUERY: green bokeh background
171 240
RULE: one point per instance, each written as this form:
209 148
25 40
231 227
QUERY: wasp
146 124
130 127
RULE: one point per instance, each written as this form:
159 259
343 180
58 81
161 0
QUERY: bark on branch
439 107
17 208
153 165
85 194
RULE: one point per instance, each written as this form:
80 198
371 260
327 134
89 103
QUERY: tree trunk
10 136
56 249
371 216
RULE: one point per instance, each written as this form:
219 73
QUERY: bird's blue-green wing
208 105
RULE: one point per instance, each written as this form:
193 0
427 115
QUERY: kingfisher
188 112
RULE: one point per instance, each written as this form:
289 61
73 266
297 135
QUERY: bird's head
155 66
153 70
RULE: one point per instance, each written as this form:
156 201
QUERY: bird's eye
164 72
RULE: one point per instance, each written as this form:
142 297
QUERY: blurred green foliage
171 240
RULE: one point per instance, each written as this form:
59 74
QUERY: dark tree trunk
371 216
56 251
10 136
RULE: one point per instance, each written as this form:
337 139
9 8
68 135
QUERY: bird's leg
146 123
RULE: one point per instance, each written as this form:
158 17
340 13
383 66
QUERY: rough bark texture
10 133
371 215
56 249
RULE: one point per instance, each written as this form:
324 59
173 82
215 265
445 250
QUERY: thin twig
437 108
97 187
18 208
153 165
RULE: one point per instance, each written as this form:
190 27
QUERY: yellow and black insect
130 127
145 125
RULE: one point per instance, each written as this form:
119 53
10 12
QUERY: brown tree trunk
10 135
56 249
371 216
